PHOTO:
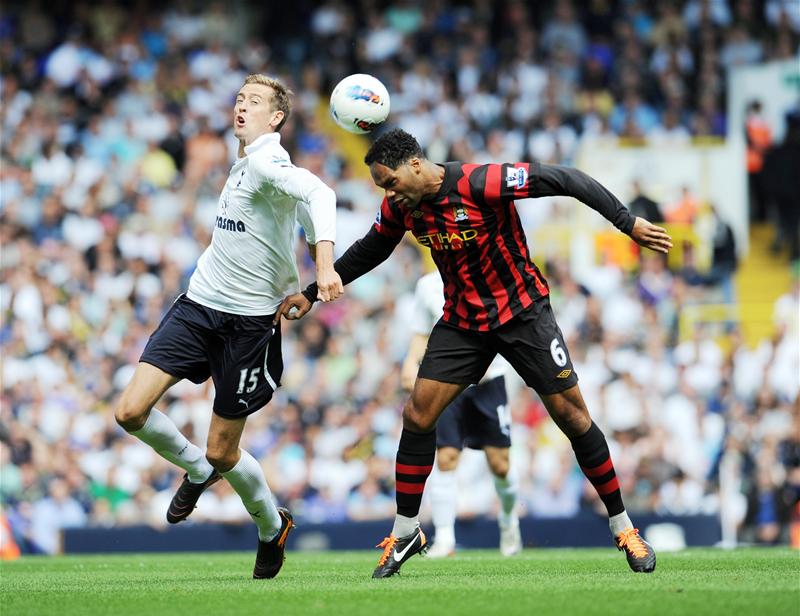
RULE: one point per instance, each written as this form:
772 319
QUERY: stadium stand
116 136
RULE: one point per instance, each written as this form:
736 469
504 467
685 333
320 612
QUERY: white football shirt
429 308
249 266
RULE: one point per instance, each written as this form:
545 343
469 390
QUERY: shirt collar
261 142
452 173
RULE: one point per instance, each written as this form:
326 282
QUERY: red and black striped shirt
476 238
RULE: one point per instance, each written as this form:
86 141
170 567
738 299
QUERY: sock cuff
246 460
507 481
416 443
153 417
589 440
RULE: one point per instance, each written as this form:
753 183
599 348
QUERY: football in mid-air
359 103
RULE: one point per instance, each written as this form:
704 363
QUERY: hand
650 236
293 307
329 285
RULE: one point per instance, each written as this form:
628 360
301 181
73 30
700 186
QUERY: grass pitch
538 582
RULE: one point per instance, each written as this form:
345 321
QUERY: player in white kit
479 418
223 326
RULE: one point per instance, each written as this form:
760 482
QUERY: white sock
507 493
618 523
443 506
161 433
404 526
247 478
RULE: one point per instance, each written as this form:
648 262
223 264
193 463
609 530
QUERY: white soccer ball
359 103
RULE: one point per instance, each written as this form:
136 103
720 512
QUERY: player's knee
571 416
446 460
499 467
221 459
415 419
130 416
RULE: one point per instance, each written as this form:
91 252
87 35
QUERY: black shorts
242 354
532 343
477 418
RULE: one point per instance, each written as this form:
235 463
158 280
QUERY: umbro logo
563 374
417 214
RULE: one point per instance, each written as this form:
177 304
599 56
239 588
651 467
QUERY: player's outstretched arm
551 180
363 256
651 236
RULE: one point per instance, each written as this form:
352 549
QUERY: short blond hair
280 97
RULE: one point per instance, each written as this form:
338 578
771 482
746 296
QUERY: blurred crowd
116 139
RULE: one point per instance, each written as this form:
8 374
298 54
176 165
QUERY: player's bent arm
363 256
313 218
416 351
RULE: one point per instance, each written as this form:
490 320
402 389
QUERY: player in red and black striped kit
496 301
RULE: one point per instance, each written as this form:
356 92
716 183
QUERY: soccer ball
359 103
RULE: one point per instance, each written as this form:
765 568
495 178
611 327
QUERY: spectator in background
54 513
644 206
759 138
684 210
782 162
724 259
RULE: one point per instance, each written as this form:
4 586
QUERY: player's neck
243 143
434 176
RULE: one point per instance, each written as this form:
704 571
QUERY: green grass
537 583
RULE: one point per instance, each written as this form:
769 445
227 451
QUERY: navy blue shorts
242 354
479 417
532 343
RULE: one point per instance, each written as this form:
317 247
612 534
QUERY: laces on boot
630 540
388 545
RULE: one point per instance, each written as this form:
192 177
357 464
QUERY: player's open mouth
239 120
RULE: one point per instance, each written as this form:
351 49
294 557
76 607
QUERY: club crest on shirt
224 203
459 213
516 177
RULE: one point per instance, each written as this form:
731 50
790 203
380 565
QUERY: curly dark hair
393 149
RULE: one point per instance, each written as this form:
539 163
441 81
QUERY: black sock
591 450
414 463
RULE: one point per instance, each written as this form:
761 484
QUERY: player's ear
416 165
277 118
